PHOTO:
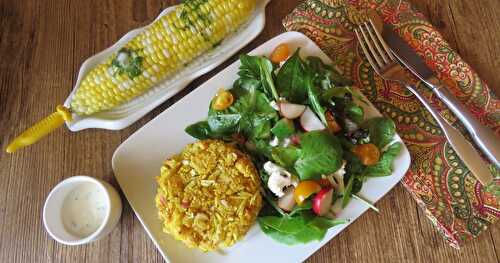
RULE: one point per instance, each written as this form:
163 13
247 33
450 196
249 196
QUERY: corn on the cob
168 44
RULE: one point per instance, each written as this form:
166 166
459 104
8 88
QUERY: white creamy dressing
84 209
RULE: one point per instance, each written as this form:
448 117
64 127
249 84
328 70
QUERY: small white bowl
53 211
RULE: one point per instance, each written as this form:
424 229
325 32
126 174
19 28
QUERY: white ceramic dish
138 160
124 115
54 206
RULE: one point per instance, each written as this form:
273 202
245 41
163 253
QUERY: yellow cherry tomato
280 53
369 153
223 100
304 190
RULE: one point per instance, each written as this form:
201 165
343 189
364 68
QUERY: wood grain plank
42 45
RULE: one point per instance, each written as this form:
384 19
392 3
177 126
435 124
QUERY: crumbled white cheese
274 142
279 178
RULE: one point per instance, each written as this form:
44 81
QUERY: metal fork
384 63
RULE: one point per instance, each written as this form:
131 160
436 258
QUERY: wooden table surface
42 45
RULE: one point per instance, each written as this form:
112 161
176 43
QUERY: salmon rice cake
208 195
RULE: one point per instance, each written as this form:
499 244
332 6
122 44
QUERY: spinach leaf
261 149
289 225
283 128
258 68
326 223
200 130
346 196
357 183
381 130
354 112
290 79
326 71
224 124
384 166
285 156
301 228
307 205
341 92
251 115
321 153
280 237
313 93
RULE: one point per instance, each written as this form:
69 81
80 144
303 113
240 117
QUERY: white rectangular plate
137 162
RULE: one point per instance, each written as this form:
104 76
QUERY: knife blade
483 136
406 55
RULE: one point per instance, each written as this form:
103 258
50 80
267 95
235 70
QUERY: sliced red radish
287 201
322 202
291 110
310 122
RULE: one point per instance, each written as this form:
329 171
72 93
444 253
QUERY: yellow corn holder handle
40 129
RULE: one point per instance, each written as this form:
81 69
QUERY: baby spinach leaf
317 65
326 223
384 166
313 93
307 205
289 225
341 92
285 156
321 153
301 228
262 148
354 112
200 130
280 237
290 79
357 183
224 124
381 130
346 196
283 128
250 115
258 68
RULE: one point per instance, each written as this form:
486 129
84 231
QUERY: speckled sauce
84 209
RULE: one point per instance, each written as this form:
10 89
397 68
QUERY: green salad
303 125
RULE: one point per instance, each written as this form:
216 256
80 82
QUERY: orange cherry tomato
304 190
280 53
368 153
223 100
333 126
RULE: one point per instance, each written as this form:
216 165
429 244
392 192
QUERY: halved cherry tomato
368 153
280 53
223 100
304 190
333 126
324 183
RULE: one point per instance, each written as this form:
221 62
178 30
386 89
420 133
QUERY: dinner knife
484 137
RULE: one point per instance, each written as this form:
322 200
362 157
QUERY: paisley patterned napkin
438 180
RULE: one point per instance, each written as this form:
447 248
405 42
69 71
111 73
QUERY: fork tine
370 27
382 41
368 43
366 52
